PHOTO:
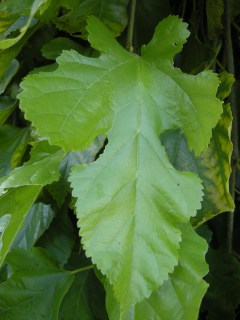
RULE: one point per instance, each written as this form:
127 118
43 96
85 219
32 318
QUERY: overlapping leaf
7 105
112 13
131 201
20 25
41 169
21 187
16 204
212 166
180 296
37 221
36 288
13 144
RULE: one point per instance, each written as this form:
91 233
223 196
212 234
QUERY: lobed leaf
132 190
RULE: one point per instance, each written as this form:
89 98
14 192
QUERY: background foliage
45 273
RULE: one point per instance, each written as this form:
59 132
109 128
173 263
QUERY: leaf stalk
129 42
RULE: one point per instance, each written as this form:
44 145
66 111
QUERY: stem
234 135
81 269
129 42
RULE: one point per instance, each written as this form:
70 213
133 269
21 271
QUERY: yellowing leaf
131 200
212 166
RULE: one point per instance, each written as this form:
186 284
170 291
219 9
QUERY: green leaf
180 296
35 290
132 190
4 221
13 144
214 17
212 166
7 105
22 23
84 300
41 169
36 223
15 203
54 48
223 296
60 189
59 238
112 13
10 71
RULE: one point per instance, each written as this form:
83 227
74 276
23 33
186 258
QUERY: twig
129 42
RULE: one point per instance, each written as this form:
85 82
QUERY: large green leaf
112 13
36 288
13 144
179 297
41 169
212 166
16 204
132 191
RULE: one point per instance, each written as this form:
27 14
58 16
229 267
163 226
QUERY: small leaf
180 296
36 223
34 290
54 48
7 105
60 189
5 41
41 169
4 221
112 13
214 17
13 144
16 202
59 238
225 87
10 71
